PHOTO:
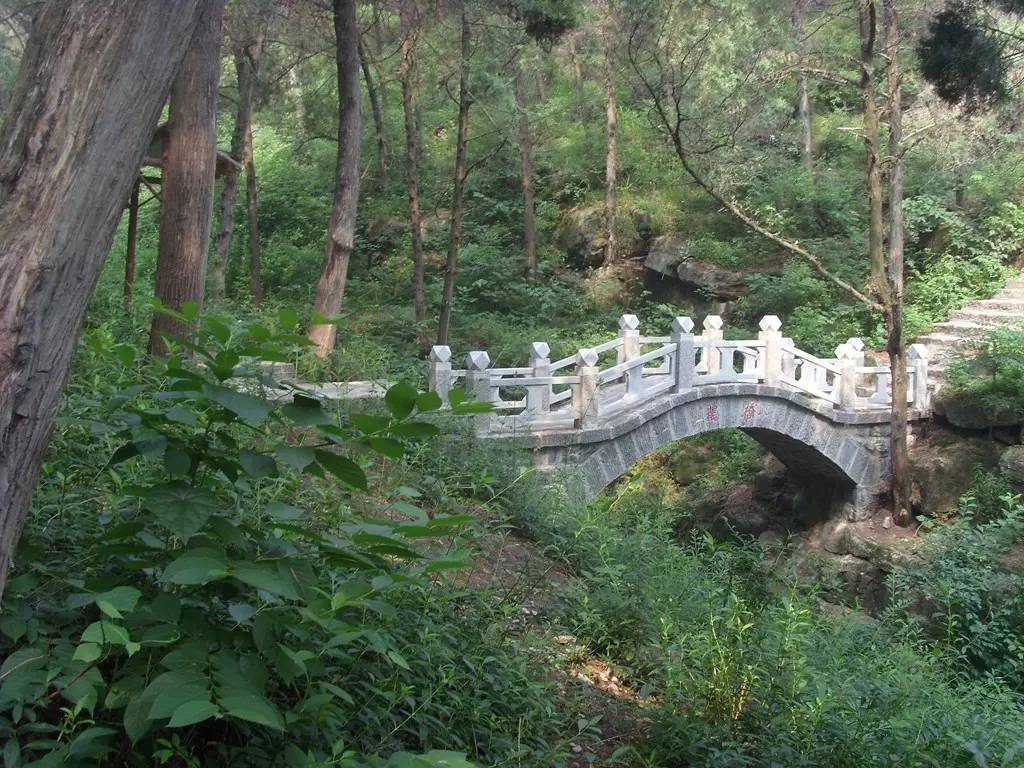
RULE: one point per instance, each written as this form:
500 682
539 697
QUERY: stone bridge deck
600 410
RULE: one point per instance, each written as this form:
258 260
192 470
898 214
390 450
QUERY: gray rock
1012 465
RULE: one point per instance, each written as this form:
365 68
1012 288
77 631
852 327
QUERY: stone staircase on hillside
971 323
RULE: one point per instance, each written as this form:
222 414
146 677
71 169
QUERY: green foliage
221 601
993 379
964 599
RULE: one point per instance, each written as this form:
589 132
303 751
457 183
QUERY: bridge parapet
600 384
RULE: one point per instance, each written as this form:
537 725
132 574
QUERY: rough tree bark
377 110
409 22
872 155
253 216
901 475
803 99
526 172
451 263
341 234
611 182
91 85
247 63
133 244
189 165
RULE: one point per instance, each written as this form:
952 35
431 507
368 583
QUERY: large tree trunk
611 183
189 165
377 111
526 157
247 63
133 244
872 154
901 477
341 235
92 82
409 20
253 216
451 263
803 100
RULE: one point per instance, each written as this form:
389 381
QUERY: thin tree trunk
189 166
133 244
409 19
611 184
252 212
247 63
577 76
378 116
872 154
330 290
526 172
539 81
803 100
459 187
91 85
901 476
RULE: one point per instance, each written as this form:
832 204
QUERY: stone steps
970 324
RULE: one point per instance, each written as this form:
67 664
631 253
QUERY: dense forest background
209 578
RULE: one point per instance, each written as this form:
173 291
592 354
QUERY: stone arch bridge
595 413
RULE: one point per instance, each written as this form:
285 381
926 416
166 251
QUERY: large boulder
582 237
1011 463
942 464
967 412
670 257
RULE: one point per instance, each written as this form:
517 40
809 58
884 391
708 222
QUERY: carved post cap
478 361
770 323
586 358
917 352
856 344
682 325
629 322
845 352
440 354
539 350
713 323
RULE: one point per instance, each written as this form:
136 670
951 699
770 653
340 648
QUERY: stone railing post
857 346
440 377
917 360
713 333
538 396
771 335
682 337
629 332
478 386
585 394
846 361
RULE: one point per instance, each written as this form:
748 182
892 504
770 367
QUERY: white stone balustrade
578 392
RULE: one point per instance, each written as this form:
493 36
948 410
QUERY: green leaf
254 708
192 712
343 468
305 411
264 575
200 566
369 423
248 408
428 401
387 447
182 415
177 462
298 457
281 511
182 509
87 652
125 452
288 318
415 429
218 329
105 633
401 399
83 743
118 600
257 464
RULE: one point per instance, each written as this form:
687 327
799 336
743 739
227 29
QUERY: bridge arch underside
846 451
